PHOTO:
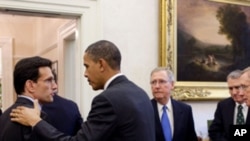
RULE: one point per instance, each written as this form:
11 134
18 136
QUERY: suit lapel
158 128
177 114
157 118
230 112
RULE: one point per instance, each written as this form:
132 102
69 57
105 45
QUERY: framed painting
202 41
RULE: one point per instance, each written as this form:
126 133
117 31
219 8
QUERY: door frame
88 13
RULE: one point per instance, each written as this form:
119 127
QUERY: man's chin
47 101
248 103
158 96
95 88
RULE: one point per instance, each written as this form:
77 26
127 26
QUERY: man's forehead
244 76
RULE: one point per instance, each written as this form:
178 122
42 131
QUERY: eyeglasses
244 87
234 87
160 82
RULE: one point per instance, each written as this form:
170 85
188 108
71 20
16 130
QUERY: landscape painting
213 38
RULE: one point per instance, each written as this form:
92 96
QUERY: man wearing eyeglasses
230 111
245 83
173 119
33 80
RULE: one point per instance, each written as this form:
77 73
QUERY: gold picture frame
167 56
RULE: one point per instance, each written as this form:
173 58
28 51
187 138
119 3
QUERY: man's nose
241 91
54 86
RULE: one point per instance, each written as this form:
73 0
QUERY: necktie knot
164 108
240 107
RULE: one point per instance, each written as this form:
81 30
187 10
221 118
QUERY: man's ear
29 85
103 64
172 85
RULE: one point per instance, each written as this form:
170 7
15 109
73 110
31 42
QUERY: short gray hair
247 70
168 71
234 74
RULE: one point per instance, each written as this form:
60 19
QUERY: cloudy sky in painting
197 17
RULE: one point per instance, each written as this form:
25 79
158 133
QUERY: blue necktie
166 125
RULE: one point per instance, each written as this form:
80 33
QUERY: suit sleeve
100 123
78 120
216 131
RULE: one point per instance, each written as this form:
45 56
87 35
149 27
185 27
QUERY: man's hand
26 116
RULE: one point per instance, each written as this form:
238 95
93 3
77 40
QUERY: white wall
133 26
202 111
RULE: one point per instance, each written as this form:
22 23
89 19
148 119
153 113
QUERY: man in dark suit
62 107
179 114
245 85
33 79
64 115
122 112
226 111
68 109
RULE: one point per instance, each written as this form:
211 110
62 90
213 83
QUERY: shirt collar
168 105
111 79
31 99
243 104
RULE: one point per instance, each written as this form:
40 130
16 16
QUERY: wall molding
48 49
6 43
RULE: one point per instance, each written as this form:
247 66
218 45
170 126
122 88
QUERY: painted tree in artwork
233 24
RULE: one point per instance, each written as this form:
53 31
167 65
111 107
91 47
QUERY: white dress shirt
244 110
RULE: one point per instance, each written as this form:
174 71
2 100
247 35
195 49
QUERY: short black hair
28 69
106 50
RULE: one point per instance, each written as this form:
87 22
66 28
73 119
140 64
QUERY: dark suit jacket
183 122
122 112
223 118
12 131
64 115
1 112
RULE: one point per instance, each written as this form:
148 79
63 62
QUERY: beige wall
46 32
32 35
22 31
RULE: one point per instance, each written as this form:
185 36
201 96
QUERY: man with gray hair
173 119
230 111
245 83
